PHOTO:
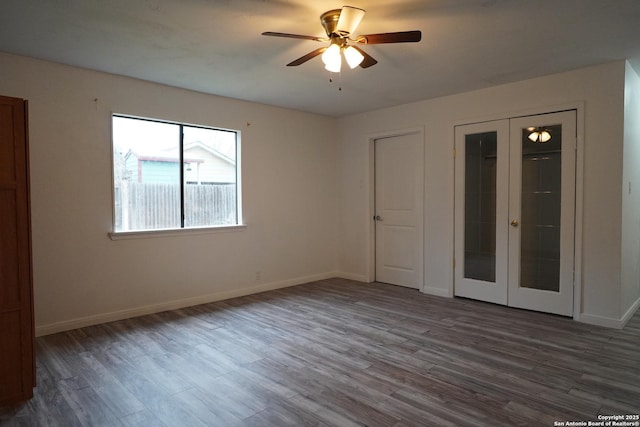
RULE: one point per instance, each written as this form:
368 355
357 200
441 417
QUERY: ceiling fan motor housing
329 21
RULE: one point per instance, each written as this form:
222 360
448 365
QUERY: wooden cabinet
17 364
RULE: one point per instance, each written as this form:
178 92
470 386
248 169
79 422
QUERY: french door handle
515 223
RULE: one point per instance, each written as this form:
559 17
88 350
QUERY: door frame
371 235
579 108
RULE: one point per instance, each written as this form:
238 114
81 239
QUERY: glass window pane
146 170
540 214
209 177
480 206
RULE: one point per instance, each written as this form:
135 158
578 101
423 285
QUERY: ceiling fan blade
368 60
306 57
399 37
349 20
294 36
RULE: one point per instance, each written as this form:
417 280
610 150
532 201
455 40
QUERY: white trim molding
609 322
439 292
81 322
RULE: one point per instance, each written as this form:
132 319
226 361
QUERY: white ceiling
215 46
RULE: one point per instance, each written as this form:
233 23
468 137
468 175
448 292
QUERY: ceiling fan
340 25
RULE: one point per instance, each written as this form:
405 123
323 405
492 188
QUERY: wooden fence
156 206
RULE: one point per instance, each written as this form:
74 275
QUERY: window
173 175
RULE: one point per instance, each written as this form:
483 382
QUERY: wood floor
335 353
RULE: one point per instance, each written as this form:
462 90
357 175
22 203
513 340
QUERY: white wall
599 88
83 277
306 196
630 290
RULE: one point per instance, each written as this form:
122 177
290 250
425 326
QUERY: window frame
194 230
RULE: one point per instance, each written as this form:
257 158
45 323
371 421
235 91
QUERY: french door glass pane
540 210
480 206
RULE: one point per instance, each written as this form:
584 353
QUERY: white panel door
399 174
481 203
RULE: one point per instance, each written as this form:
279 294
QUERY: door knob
377 218
514 223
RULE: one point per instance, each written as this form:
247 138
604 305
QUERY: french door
515 211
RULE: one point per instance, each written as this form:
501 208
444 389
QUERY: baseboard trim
67 325
351 276
606 322
629 314
439 292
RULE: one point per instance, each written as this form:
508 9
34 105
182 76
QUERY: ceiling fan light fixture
533 136
353 57
332 58
334 68
538 135
545 136
340 26
349 20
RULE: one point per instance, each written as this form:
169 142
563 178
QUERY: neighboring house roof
213 151
165 159
161 155
203 165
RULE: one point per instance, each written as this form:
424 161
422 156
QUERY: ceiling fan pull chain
339 80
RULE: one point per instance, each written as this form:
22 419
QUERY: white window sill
146 234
